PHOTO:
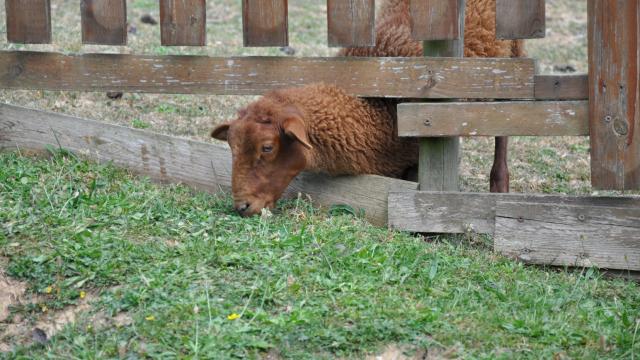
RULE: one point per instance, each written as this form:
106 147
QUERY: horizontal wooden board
508 118
104 22
371 77
569 235
351 23
28 22
453 212
562 87
520 19
175 160
183 22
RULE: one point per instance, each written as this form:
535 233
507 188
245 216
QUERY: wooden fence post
614 93
440 157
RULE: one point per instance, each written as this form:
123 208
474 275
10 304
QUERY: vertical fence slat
434 19
520 19
104 22
264 23
438 163
183 22
614 93
28 22
351 22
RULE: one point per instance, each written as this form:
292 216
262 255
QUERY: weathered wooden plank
435 19
183 22
562 87
104 22
372 77
439 158
569 235
512 118
614 93
442 212
351 23
264 23
169 159
28 22
520 19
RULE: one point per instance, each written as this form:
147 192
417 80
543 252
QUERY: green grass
304 284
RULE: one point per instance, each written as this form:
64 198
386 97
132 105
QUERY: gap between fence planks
520 19
28 22
371 77
350 23
104 22
569 235
453 212
614 93
509 118
265 23
183 22
435 19
170 159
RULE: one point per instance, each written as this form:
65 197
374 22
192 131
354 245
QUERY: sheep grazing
314 128
393 38
321 128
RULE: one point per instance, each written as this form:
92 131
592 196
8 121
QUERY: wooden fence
603 105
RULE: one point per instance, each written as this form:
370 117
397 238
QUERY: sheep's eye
267 149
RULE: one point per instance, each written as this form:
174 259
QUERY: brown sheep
314 128
321 128
393 38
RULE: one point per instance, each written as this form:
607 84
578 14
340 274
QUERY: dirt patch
11 292
17 330
405 352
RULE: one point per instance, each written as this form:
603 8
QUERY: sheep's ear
294 128
220 132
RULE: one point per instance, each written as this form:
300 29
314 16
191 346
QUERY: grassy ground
138 270
184 277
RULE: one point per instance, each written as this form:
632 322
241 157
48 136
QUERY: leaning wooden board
453 212
170 159
581 235
372 77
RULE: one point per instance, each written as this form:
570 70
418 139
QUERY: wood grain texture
28 22
569 235
509 118
452 212
520 19
435 19
351 23
372 77
439 158
562 87
169 159
265 23
104 22
183 22
614 93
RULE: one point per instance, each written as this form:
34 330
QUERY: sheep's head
268 145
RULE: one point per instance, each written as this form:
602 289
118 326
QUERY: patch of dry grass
537 165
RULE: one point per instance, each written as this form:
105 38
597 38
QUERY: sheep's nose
241 208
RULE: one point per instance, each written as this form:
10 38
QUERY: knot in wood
620 127
427 122
520 218
581 217
15 71
607 119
